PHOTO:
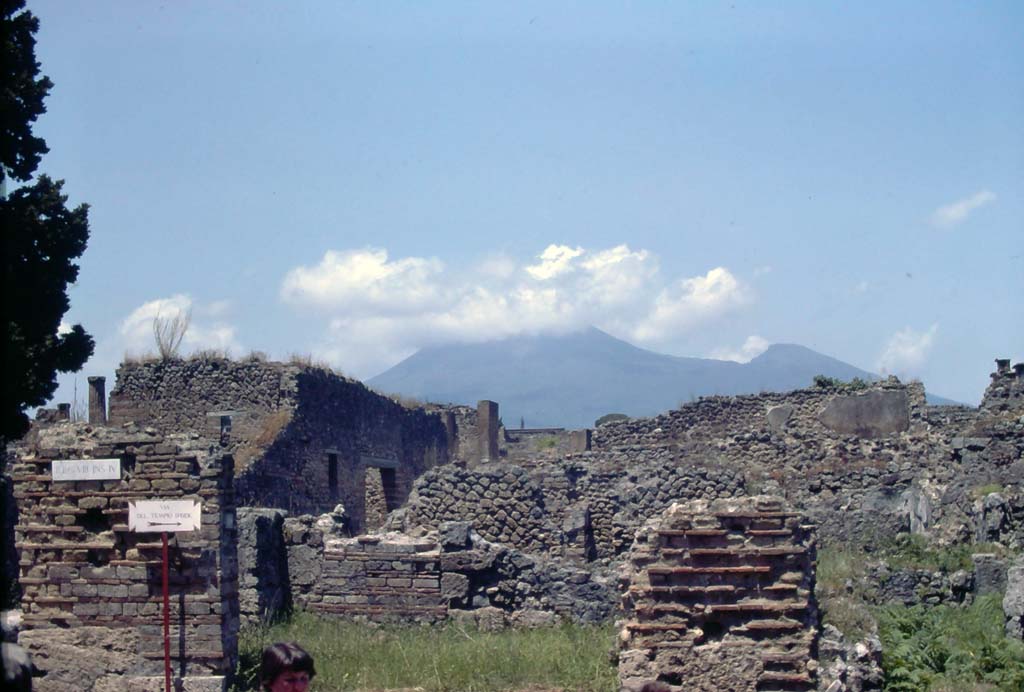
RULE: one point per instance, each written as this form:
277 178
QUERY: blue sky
357 180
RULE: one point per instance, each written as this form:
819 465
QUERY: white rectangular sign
155 516
86 470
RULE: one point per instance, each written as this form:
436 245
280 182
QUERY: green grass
981 491
948 648
915 552
356 656
846 610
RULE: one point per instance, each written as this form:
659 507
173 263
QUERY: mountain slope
572 380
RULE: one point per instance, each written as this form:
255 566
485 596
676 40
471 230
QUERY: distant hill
573 379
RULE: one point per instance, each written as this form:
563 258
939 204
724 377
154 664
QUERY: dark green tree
41 238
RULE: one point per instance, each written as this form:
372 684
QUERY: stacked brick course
381 580
721 591
82 570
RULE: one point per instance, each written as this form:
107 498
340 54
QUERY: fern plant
949 648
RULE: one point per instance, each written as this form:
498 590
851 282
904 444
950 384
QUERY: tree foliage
42 238
610 418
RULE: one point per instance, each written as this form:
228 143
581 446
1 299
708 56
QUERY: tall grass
354 656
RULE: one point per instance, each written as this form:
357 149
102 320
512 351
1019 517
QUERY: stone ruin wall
182 395
861 483
369 437
582 508
286 425
721 591
539 550
92 595
1006 391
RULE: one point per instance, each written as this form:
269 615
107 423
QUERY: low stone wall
396 577
720 595
383 580
92 596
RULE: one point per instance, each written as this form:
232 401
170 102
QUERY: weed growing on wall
911 551
359 656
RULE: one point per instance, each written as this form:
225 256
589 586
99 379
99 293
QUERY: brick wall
88 581
719 596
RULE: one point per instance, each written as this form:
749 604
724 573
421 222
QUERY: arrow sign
155 516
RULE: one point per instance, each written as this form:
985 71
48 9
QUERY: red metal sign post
167 620
163 516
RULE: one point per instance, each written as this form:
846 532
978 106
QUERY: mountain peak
573 378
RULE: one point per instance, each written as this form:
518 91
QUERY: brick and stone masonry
92 590
381 580
721 591
304 438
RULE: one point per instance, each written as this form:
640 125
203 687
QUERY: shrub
169 331
826 382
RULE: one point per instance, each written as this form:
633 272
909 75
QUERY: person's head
286 667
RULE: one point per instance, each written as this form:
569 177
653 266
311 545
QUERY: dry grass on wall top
448 658
272 426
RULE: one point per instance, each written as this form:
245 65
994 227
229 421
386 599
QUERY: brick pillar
487 430
98 400
720 595
579 440
63 411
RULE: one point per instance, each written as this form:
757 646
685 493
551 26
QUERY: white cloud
365 280
957 212
380 310
861 287
555 260
752 347
205 331
686 302
906 351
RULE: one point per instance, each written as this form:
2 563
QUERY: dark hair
281 657
16 668
655 686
